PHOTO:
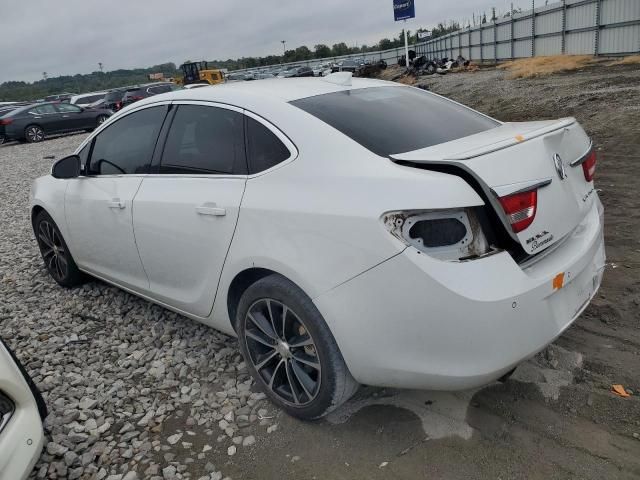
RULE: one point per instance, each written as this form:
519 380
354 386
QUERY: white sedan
22 410
346 230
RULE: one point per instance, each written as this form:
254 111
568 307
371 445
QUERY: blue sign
403 9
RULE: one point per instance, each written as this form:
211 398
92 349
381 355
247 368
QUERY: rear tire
290 351
34 134
55 253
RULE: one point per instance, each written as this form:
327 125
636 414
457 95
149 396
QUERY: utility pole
100 66
284 46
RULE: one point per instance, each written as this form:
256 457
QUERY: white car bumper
417 322
22 437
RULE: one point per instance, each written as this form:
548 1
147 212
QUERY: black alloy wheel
290 350
55 253
282 351
34 134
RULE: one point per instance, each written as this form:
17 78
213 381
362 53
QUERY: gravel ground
133 390
136 391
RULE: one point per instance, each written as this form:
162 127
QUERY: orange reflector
619 390
558 281
519 138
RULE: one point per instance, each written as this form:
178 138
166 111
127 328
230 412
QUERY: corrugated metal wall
591 27
574 27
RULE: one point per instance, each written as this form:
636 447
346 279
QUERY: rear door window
67 108
43 109
391 120
204 140
264 148
126 146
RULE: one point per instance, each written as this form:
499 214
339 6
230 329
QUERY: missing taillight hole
438 232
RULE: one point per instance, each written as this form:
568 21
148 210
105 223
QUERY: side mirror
67 167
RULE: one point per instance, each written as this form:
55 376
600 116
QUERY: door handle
211 209
116 203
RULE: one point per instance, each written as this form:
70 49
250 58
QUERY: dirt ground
556 417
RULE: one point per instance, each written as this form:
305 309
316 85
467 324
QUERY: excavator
199 72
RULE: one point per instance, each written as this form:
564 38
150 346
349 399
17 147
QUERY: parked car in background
487 244
352 66
139 92
113 99
34 122
322 70
263 76
22 411
9 107
296 72
235 77
370 69
62 97
85 99
97 104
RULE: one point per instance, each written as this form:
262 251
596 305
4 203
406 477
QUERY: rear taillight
6 121
520 209
589 166
443 234
118 105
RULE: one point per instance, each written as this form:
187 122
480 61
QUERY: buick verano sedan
347 231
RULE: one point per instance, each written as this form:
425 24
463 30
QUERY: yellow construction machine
199 72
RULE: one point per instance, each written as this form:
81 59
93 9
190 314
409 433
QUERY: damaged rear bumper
417 322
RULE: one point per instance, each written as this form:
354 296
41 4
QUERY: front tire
100 120
55 253
34 134
290 351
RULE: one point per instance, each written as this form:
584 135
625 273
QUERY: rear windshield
392 120
115 95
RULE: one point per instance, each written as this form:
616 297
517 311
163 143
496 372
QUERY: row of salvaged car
358 66
68 112
421 65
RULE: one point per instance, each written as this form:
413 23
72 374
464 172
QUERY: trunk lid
518 156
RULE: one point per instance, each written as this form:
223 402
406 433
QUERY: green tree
340 49
321 51
303 53
385 44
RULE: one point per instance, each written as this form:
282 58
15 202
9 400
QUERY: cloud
71 36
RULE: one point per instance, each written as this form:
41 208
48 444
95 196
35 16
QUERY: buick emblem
557 161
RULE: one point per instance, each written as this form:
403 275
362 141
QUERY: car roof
24 108
278 89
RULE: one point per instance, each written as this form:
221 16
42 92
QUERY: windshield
391 120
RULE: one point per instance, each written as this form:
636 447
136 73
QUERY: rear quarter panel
316 219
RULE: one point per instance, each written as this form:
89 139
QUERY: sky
65 37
